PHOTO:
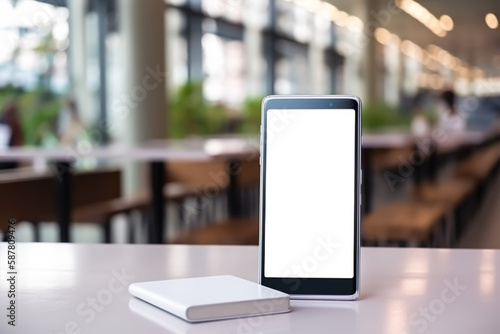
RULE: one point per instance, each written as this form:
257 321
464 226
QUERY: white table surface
57 284
446 141
109 152
232 146
187 149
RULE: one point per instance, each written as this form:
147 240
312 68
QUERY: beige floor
484 230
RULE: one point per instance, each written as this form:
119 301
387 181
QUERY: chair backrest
198 173
250 172
214 172
90 187
30 196
26 196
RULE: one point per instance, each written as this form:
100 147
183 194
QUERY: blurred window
206 42
177 2
176 47
291 68
34 37
294 21
231 10
224 70
256 13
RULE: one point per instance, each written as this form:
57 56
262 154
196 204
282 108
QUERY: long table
64 157
435 145
157 153
77 288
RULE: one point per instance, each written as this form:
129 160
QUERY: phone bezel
313 288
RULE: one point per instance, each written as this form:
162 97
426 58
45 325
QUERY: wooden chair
141 202
450 192
479 165
383 159
407 222
31 197
455 195
26 196
234 230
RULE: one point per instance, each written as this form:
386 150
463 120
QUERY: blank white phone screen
309 193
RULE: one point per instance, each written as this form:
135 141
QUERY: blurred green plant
377 117
251 114
37 111
190 114
7 94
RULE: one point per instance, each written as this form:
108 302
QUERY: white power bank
212 298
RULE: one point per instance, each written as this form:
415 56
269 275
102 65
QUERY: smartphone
310 196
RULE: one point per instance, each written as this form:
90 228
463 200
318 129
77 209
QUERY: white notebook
212 298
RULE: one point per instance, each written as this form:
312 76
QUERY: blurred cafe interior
127 121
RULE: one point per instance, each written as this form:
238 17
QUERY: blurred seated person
420 126
10 132
449 117
70 126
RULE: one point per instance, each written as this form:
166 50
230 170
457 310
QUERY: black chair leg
145 217
36 231
180 210
107 231
131 228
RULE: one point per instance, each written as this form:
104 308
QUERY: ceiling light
309 5
421 14
406 47
463 72
382 35
423 79
395 39
434 49
355 24
341 18
491 20
326 9
478 73
436 82
446 22
429 62
411 50
385 37
444 58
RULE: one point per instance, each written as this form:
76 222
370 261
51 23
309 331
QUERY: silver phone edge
358 220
